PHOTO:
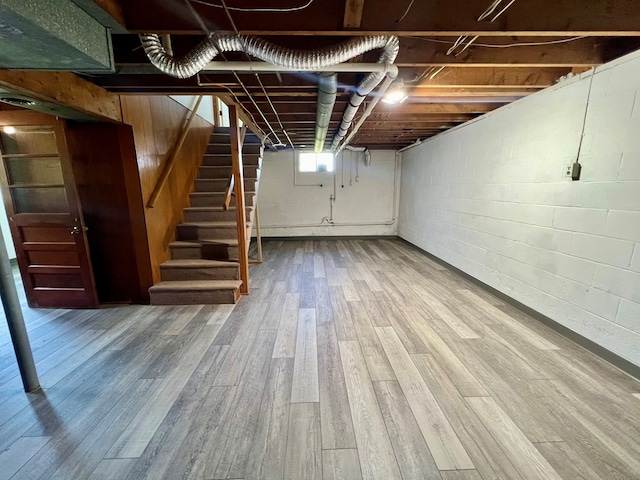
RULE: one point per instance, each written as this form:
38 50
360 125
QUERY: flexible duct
327 93
195 60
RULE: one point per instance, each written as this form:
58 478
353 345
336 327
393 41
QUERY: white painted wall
365 206
189 101
491 198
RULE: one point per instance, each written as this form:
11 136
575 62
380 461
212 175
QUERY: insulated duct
327 93
297 60
195 60
371 81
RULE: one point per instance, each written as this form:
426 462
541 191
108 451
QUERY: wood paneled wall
157 122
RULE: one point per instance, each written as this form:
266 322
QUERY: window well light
315 162
9 130
397 93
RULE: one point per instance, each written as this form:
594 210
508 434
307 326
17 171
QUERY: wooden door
46 222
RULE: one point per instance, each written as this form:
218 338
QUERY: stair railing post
236 157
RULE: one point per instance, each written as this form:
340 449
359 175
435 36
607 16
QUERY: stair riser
202 273
250 171
216 199
188 232
225 160
215 216
207 252
226 148
195 298
220 184
226 132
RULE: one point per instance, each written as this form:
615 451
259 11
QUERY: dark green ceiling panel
52 35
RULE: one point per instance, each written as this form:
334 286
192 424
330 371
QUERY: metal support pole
15 321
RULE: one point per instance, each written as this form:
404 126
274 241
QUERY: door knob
75 230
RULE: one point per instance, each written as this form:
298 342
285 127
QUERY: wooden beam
421 52
244 114
64 89
353 13
429 18
504 76
284 109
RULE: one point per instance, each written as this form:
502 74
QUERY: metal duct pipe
389 54
383 88
198 58
327 93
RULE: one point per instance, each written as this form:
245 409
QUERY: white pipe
328 221
387 68
379 94
414 144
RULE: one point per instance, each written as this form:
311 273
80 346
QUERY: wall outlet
573 170
567 170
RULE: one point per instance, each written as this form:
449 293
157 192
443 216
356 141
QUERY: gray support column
15 321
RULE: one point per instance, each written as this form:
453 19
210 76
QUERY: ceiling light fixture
9 130
397 93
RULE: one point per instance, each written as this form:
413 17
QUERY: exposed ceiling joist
512 51
353 13
527 47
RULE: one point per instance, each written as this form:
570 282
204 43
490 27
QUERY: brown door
46 223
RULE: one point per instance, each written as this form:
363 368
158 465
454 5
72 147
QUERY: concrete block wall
492 198
364 206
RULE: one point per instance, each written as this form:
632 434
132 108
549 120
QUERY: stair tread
219 193
228 154
214 224
215 209
233 242
205 179
194 285
197 263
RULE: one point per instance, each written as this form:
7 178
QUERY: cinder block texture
491 197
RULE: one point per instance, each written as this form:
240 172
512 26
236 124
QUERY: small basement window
315 162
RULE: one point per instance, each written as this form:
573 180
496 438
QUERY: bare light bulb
397 93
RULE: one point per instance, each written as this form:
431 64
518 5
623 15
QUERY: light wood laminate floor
351 359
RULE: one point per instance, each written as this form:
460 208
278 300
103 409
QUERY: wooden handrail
168 166
228 192
241 221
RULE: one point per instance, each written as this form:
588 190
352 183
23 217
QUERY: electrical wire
502 11
489 10
406 12
203 25
236 100
464 38
264 90
239 9
507 45
586 112
197 16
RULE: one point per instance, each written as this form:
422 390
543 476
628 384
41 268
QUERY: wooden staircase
204 267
